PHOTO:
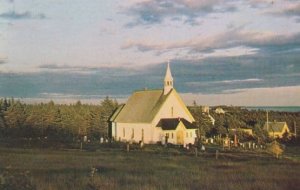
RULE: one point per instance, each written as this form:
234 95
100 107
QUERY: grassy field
152 168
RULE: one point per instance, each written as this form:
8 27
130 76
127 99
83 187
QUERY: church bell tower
168 81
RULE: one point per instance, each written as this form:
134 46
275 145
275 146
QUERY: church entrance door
180 137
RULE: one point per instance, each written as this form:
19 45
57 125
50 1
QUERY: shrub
275 148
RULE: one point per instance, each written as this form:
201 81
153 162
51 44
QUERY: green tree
261 134
275 148
108 107
15 118
15 115
219 128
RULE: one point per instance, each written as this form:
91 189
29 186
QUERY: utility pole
295 129
267 121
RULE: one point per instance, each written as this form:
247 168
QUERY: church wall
134 132
171 136
172 108
190 136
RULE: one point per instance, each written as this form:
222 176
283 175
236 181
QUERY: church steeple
168 81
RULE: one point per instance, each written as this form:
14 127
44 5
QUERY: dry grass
150 169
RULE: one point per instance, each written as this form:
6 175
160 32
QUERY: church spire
168 81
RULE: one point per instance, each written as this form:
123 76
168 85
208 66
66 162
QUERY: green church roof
116 112
141 107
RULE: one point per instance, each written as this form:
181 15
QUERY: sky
222 52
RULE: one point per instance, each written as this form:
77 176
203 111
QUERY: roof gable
275 126
173 100
183 106
116 112
141 107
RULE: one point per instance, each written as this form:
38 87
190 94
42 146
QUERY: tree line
69 123
63 123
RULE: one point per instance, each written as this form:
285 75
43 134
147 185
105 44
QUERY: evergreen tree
108 106
15 118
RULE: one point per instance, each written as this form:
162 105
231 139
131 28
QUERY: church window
191 134
123 132
142 134
172 136
132 133
172 111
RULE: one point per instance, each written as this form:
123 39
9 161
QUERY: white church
152 116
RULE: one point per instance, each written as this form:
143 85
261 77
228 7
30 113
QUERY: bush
275 148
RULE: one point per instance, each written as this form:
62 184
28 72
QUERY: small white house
152 116
219 111
276 129
205 109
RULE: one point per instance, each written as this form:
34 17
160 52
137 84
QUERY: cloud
261 3
210 76
215 75
291 9
13 15
281 96
58 67
83 70
236 81
103 70
156 11
253 41
3 60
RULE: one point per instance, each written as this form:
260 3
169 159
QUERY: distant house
152 116
276 129
219 111
212 120
205 109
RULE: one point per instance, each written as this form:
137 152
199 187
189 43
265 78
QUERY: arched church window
132 133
